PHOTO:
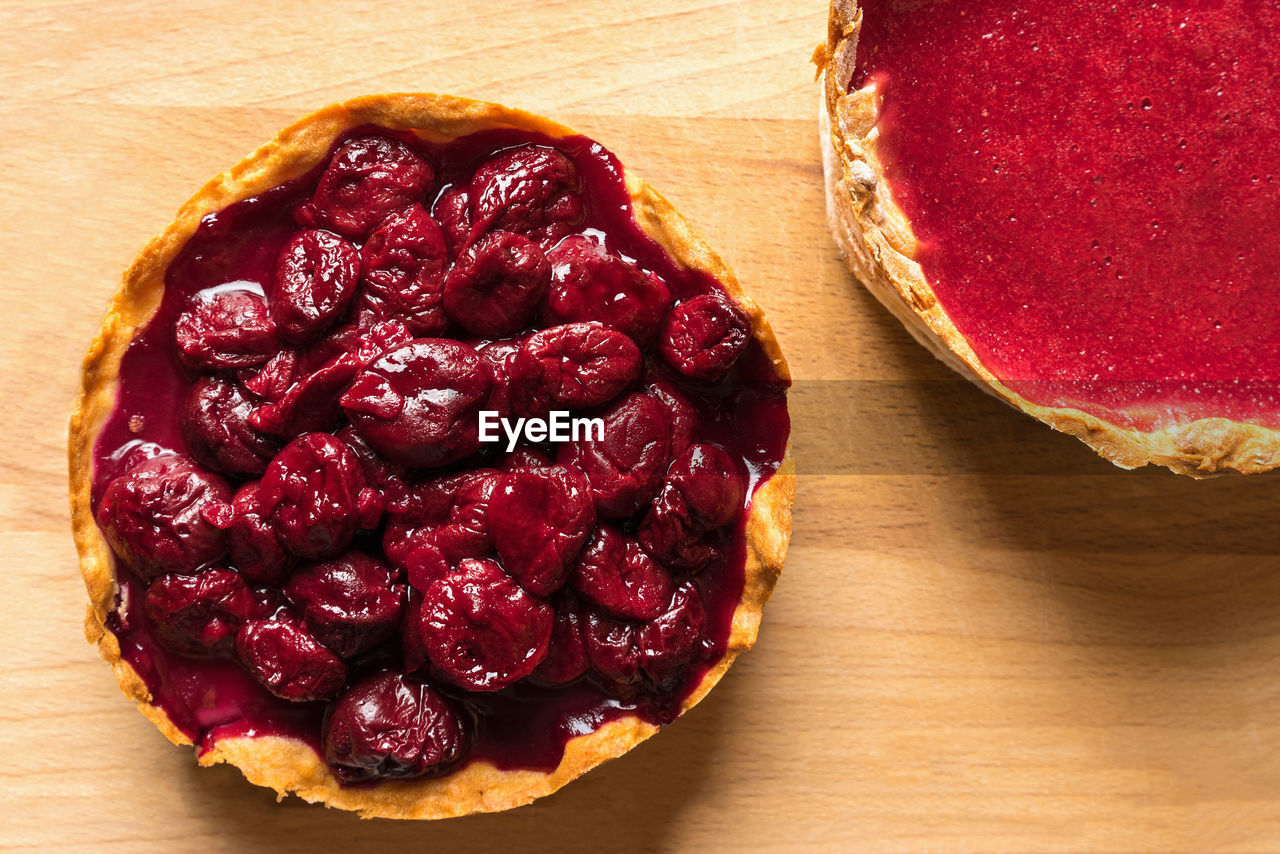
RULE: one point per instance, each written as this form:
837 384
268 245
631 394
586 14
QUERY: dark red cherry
680 413
526 458
424 565
614 572
154 516
453 211
316 278
450 513
530 190
199 614
419 404
567 651
252 543
368 179
388 726
538 520
403 266
481 629
351 603
289 661
626 466
215 424
702 337
673 640
611 648
496 285
315 497
708 484
589 283
575 366
499 354
306 389
225 328
390 479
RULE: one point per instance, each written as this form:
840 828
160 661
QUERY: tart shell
287 765
877 242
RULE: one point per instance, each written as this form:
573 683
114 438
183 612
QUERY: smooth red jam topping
1095 193
312 539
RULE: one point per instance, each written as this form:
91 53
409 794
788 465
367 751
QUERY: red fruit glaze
1096 207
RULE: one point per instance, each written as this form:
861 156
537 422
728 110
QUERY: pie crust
877 241
287 765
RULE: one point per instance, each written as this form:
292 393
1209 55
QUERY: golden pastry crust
877 241
287 765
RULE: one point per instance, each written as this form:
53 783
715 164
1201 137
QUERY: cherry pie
1075 207
301 556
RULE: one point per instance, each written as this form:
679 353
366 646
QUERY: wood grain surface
985 639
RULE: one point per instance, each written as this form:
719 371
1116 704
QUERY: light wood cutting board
985 639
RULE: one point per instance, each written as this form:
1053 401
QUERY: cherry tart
306 553
1075 210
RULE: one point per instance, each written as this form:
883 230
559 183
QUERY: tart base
290 766
876 240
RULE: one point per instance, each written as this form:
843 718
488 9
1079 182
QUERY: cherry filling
1096 207
314 542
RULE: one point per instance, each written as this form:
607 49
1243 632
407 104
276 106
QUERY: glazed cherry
567 651
388 726
530 190
674 640
351 603
500 354
496 285
315 497
480 628
306 386
538 520
225 328
453 212
388 478
615 573
451 513
611 648
403 266
625 467
154 516
575 366
681 414
424 565
703 337
589 283
199 614
368 179
705 488
419 404
316 278
289 661
252 544
215 423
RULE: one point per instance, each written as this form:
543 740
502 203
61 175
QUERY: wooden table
986 639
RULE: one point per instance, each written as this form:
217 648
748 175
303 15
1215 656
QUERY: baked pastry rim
876 240
288 765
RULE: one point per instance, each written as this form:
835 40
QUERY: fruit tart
1074 208
310 550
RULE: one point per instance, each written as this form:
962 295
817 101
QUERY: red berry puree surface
1095 192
